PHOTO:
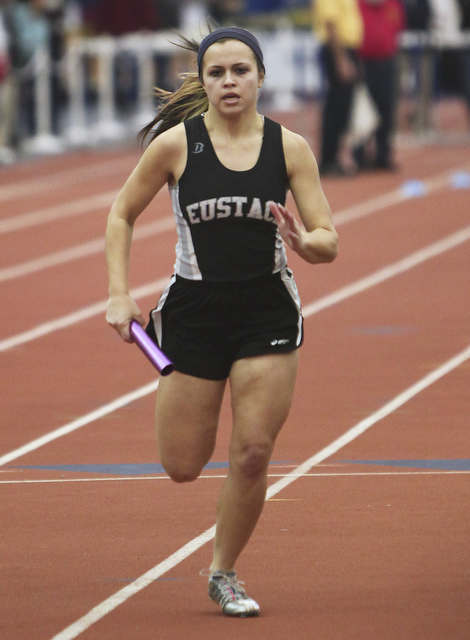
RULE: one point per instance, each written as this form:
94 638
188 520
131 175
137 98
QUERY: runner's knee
182 473
252 460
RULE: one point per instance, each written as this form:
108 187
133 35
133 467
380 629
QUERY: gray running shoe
225 589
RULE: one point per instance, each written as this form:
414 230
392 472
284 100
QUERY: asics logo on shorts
279 341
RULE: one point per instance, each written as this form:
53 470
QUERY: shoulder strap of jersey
273 149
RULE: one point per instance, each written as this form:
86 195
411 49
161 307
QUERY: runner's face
231 77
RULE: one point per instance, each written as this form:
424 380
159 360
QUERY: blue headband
235 33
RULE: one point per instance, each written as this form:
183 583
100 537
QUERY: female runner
231 310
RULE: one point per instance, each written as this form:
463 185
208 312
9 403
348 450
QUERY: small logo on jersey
198 147
279 341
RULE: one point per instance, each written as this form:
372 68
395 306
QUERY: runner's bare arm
314 238
158 165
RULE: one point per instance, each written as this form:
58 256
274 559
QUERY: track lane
93 339
102 559
30 178
118 356
360 531
141 258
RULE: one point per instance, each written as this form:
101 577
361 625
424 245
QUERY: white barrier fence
291 60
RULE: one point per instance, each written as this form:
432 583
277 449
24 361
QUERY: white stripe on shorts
156 313
288 279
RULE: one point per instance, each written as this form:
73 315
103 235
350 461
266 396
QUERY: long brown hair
187 101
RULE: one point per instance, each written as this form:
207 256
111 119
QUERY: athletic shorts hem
248 353
205 327
262 351
202 375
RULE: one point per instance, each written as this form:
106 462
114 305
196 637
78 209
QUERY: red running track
368 538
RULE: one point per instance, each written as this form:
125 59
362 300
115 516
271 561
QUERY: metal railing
292 61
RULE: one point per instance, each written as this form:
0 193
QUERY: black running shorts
203 327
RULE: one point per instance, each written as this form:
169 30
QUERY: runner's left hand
289 227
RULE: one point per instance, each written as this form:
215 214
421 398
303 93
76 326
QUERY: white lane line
131 589
80 251
327 301
435 183
121 596
383 412
66 177
387 272
102 411
383 473
353 474
96 245
104 199
80 315
391 270
62 211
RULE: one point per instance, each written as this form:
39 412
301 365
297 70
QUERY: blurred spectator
445 68
445 25
28 30
464 6
7 155
418 64
383 21
226 11
194 18
117 17
4 57
338 26
168 12
418 14
264 6
166 66
55 11
269 14
445 18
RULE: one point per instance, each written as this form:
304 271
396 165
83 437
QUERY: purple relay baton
150 349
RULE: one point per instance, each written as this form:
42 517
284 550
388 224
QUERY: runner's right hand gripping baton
150 349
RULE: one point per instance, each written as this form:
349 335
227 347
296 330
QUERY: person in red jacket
383 20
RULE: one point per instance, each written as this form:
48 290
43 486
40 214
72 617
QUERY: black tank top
225 229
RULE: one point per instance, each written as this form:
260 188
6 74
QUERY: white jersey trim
280 257
186 264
